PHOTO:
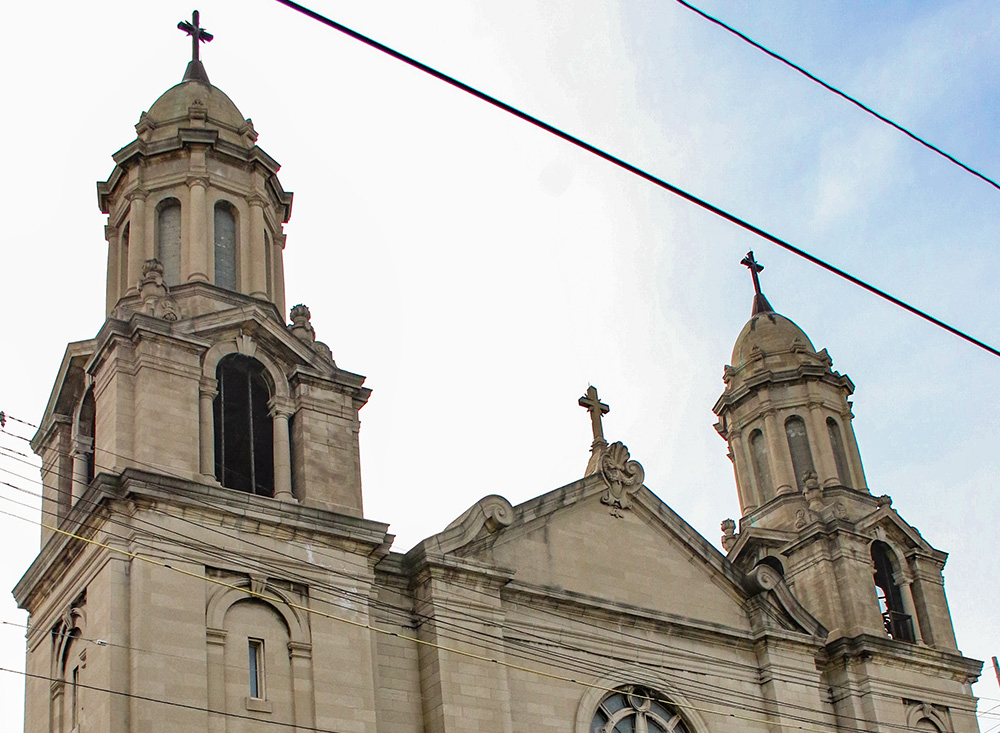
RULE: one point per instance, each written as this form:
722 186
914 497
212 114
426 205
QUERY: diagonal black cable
732 218
839 93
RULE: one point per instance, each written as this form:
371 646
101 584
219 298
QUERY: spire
195 69
760 304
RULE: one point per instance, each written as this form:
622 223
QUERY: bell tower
196 437
849 558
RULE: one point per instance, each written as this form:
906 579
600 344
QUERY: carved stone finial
301 327
813 491
155 294
621 475
729 535
884 500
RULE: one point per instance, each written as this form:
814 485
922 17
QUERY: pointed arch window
798 446
168 239
244 433
631 709
898 624
761 469
839 454
225 245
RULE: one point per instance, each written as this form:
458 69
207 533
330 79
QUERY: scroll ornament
622 476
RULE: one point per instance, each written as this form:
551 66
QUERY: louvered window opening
168 240
225 246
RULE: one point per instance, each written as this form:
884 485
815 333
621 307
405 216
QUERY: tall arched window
86 429
839 455
898 624
761 470
244 435
123 263
225 246
631 708
798 446
168 239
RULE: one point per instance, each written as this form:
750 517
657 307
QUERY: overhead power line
839 93
635 170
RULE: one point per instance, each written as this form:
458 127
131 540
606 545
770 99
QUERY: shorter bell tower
806 510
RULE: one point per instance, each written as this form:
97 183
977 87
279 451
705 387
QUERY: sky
482 273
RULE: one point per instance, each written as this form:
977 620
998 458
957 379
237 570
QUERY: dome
773 333
174 104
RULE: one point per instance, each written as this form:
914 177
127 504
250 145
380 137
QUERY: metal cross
755 267
197 33
596 409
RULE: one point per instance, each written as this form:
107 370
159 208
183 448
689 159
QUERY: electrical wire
839 93
618 662
729 663
641 173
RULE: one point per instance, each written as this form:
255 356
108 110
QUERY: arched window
168 239
244 436
85 431
761 470
257 666
927 724
225 246
630 709
123 263
898 625
798 446
839 455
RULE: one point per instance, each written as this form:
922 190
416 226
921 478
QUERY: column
906 592
208 388
749 499
256 249
280 412
140 243
300 655
114 255
853 453
826 464
199 251
80 482
216 643
278 272
777 448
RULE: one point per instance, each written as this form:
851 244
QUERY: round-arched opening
244 434
168 239
898 624
631 708
225 245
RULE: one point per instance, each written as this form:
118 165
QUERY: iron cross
596 409
197 33
754 267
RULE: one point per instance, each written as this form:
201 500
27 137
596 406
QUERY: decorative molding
246 345
622 476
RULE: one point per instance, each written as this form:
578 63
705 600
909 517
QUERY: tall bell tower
196 437
847 555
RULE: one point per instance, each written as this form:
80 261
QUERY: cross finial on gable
760 304
597 410
195 69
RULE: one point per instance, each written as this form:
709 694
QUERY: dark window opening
244 442
898 624
798 446
87 426
123 263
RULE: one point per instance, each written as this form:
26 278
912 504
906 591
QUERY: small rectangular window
256 648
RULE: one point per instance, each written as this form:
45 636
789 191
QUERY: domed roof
773 333
174 104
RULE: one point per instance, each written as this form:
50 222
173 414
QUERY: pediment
886 525
69 386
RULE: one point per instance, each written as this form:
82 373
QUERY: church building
206 563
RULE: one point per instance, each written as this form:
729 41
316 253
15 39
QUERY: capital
137 194
193 181
281 407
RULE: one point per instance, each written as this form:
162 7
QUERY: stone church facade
206 565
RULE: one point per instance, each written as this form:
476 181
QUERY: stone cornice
767 378
866 647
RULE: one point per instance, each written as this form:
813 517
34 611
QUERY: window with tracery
633 709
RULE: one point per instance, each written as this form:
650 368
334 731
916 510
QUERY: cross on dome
195 70
760 304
